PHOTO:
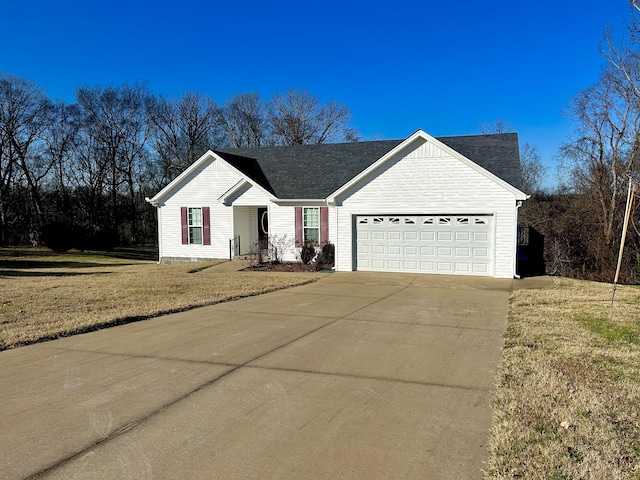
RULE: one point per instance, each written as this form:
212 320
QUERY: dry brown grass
568 398
44 296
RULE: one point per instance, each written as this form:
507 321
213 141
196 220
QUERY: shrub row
62 237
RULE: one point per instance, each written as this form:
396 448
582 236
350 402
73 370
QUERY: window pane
195 217
312 217
195 235
312 234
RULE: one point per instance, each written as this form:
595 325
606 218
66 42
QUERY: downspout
159 217
515 242
159 235
335 244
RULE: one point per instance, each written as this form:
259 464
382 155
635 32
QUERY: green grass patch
609 330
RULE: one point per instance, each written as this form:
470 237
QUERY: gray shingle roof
499 153
316 171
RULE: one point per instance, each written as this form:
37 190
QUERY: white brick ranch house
423 204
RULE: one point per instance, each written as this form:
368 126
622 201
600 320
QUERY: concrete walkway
357 376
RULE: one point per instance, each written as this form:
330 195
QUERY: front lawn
568 396
45 295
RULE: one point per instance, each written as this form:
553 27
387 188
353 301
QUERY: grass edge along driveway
45 296
568 391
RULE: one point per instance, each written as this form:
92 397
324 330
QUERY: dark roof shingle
316 171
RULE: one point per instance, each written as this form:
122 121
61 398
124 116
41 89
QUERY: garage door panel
410 265
462 268
427 236
425 243
445 267
480 268
427 251
410 250
428 267
411 236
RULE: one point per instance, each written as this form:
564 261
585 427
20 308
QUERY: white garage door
450 244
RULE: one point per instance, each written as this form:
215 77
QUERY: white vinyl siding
425 180
203 187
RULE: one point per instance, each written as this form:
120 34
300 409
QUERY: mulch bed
282 267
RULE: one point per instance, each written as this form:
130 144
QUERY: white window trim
194 226
304 226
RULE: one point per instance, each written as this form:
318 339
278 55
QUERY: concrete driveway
357 376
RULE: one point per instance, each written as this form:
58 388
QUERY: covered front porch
250 229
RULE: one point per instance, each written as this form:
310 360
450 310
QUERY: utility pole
627 214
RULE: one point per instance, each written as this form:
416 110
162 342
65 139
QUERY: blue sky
444 67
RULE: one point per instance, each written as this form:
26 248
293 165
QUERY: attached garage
449 244
421 204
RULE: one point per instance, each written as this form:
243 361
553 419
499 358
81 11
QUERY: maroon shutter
299 237
185 225
206 226
324 225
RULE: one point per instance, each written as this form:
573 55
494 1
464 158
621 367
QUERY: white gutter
299 202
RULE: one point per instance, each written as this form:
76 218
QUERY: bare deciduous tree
499 126
59 140
23 107
299 118
183 130
533 171
116 120
604 151
244 121
531 166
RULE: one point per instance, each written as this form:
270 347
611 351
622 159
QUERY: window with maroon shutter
185 225
196 225
206 226
312 224
298 216
324 225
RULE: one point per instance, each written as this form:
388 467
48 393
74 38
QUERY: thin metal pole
627 214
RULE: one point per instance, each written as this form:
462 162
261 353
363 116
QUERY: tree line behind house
581 216
80 172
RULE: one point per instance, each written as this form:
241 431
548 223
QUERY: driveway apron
356 376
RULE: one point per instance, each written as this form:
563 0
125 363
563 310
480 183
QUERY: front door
263 227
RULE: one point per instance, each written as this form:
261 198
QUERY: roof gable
318 171
201 163
499 153
307 171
